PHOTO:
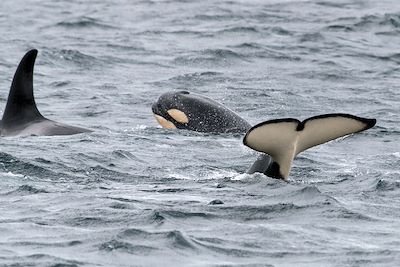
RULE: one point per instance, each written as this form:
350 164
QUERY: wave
389 22
48 244
341 212
224 247
253 212
40 259
72 56
175 33
88 221
194 79
385 185
99 172
196 75
249 45
239 29
311 37
219 17
26 190
16 166
174 238
76 57
176 214
211 57
84 22
126 247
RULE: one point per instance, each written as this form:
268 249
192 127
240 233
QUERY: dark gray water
133 194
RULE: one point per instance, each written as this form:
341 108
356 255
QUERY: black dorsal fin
21 106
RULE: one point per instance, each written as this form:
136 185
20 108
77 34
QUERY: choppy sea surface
134 194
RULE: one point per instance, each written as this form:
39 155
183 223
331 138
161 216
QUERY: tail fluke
283 139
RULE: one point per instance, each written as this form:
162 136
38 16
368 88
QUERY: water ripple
83 22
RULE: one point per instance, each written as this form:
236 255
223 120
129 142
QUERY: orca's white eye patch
178 115
164 123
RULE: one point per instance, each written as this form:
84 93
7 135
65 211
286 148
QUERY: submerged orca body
184 110
21 116
283 139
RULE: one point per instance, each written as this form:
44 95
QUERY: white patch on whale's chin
164 123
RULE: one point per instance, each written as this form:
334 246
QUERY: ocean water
134 194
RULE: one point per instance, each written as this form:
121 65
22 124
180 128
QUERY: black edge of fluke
369 122
21 104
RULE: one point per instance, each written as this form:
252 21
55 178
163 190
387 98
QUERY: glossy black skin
265 165
21 116
204 114
209 116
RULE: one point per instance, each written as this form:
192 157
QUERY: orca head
185 110
171 110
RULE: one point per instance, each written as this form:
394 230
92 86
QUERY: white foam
10 174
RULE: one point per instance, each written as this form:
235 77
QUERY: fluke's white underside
284 139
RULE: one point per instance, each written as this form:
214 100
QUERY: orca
283 139
278 140
185 110
21 117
